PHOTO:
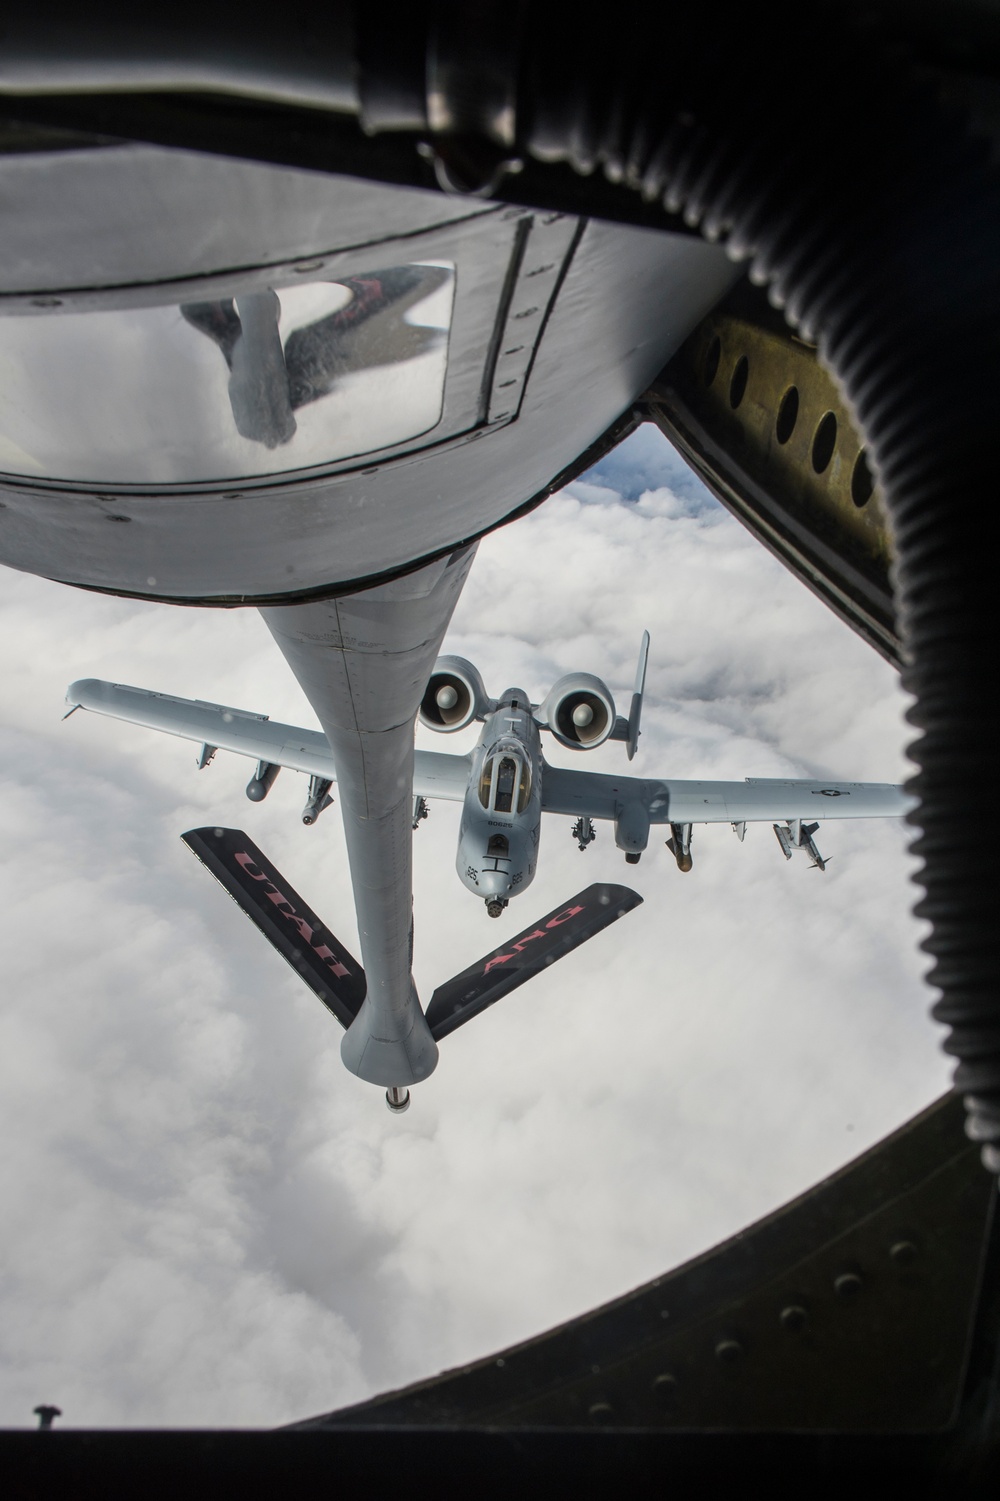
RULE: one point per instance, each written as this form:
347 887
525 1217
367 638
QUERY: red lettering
497 959
561 917
286 909
299 922
327 953
528 937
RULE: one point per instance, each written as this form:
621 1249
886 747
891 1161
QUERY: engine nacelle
454 696
579 711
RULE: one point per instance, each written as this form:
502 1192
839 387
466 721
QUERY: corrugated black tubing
871 212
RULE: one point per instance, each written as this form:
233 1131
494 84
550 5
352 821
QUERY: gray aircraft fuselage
502 813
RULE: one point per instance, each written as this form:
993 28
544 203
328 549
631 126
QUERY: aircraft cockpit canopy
505 783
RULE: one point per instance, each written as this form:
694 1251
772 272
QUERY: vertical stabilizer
635 711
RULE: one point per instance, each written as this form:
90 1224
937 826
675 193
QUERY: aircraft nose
494 883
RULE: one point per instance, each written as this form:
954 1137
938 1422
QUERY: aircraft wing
435 775
755 800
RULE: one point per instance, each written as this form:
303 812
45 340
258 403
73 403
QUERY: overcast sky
205 1219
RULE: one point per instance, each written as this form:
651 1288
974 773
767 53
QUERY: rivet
729 1351
847 1285
600 1412
793 1318
903 1252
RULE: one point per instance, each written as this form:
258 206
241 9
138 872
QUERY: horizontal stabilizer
283 917
516 961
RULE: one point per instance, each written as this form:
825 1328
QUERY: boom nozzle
397 1099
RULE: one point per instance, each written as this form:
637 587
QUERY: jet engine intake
579 711
454 696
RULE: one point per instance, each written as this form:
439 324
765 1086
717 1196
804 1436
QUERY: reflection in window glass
485 782
524 787
263 382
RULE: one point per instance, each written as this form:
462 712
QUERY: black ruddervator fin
517 960
283 917
336 976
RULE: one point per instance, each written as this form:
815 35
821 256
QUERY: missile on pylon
679 845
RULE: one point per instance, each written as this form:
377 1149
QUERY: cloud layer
206 1219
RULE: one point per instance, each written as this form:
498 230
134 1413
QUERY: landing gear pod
632 829
454 696
262 781
579 711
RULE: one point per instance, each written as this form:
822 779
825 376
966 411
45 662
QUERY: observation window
258 383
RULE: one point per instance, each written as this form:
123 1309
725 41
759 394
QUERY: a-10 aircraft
505 785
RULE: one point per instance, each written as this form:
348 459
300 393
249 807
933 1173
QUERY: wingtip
78 692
